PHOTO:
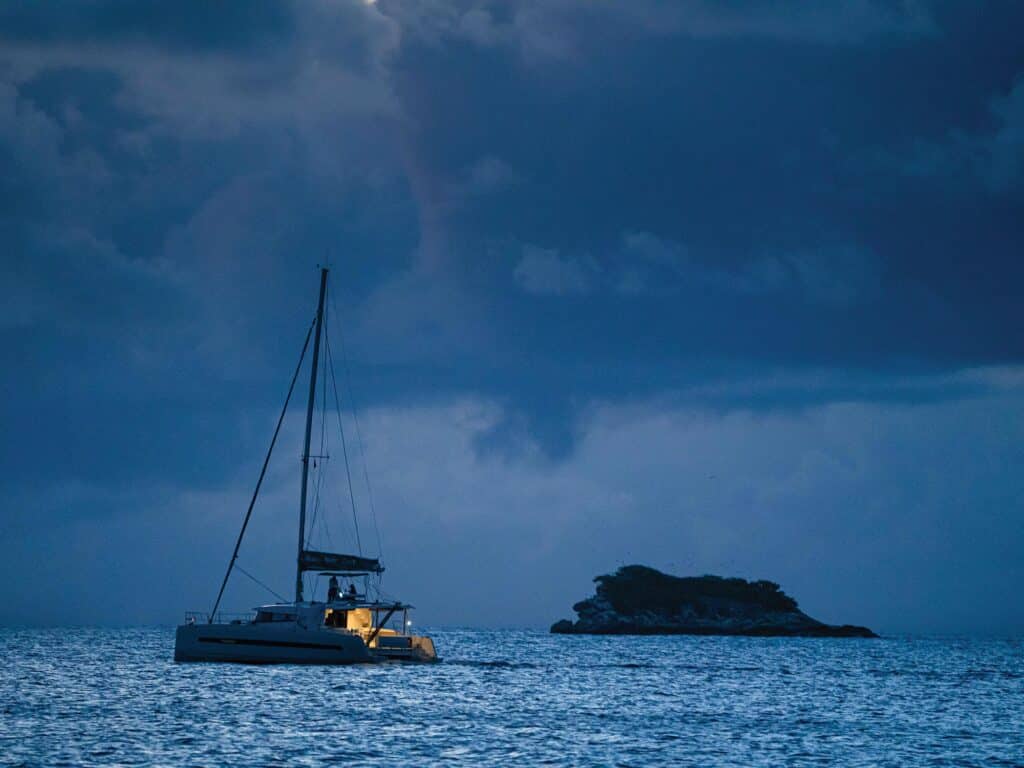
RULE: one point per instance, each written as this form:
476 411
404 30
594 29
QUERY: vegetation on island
637 600
636 588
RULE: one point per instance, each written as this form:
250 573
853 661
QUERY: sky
727 288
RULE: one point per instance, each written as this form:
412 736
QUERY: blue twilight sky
729 287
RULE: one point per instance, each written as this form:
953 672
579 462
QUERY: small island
637 600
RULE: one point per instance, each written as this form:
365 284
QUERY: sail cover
330 561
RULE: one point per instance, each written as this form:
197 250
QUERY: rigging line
344 448
324 435
359 435
313 515
283 600
263 471
320 468
316 505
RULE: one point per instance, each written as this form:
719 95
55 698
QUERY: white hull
270 643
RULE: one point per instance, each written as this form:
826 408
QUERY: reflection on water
102 697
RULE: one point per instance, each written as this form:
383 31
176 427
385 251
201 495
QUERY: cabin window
265 616
335 619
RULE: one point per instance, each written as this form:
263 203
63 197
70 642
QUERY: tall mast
309 429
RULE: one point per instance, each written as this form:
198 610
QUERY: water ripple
86 697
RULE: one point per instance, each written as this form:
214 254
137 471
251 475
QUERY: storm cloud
714 287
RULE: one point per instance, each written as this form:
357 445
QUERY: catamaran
348 627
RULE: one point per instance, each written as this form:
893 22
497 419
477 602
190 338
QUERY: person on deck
351 594
332 589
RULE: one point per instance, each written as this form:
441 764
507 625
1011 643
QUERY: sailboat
347 627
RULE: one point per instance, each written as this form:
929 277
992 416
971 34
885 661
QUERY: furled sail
330 561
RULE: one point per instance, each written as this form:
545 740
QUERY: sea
85 697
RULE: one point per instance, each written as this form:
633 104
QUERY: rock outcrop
637 600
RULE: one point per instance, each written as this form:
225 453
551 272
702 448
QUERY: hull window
263 617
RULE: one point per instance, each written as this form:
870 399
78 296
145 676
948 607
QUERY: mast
309 429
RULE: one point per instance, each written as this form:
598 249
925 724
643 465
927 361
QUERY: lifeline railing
203 617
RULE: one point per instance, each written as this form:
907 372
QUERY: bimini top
341 604
290 609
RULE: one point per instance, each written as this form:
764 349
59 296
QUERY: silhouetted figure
351 594
332 589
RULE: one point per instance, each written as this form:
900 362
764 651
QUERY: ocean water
86 697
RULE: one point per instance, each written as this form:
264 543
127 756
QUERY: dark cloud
544 212
189 27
